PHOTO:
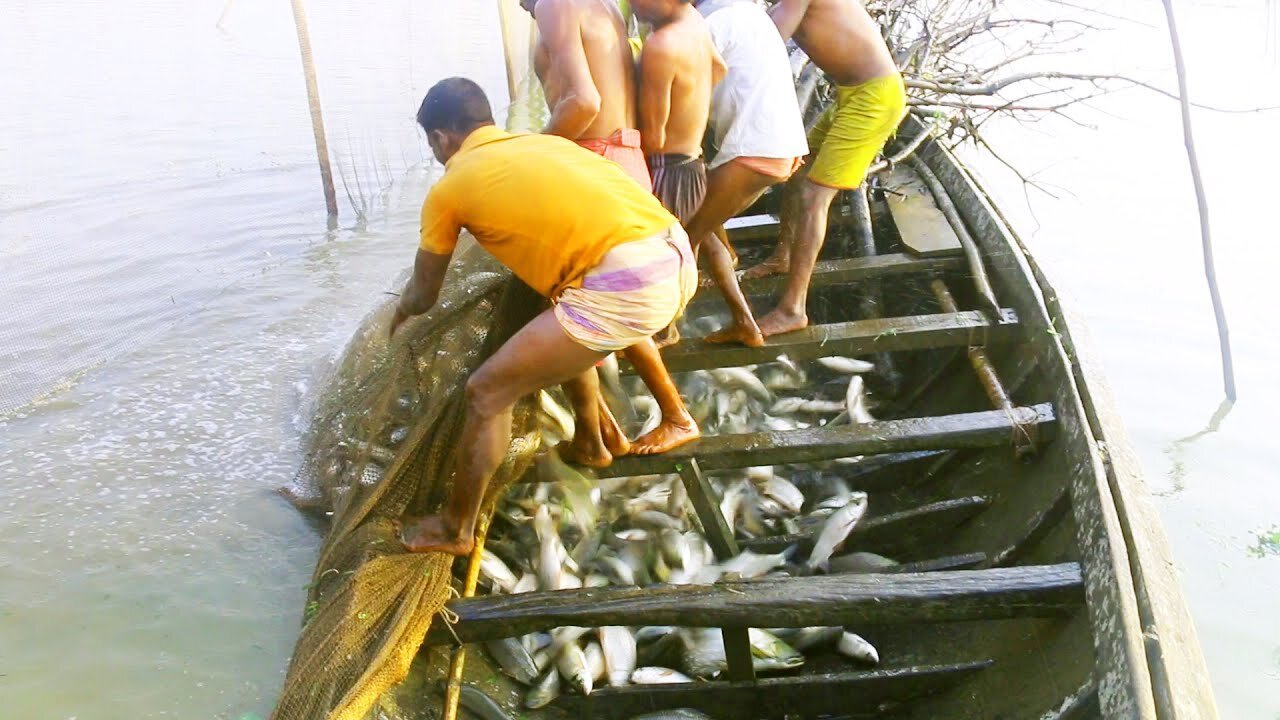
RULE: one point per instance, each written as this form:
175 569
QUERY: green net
384 444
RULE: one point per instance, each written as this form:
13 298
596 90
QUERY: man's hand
396 321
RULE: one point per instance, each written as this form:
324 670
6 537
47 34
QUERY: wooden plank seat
990 428
857 337
850 270
854 599
885 532
816 695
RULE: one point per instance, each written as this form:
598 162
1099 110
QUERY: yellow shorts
854 129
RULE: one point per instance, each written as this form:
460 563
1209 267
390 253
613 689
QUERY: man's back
602 33
681 53
547 209
842 39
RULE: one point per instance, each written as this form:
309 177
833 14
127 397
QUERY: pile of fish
572 531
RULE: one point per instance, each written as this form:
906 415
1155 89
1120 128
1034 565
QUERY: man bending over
575 228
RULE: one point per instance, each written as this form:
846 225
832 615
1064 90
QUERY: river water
172 296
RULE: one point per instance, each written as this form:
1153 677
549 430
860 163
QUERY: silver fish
782 491
554 417
731 502
658 676
836 529
514 659
792 405
572 664
533 642
633 534
528 583
744 379
649 633
676 714
492 567
595 580
845 365
619 647
860 562
549 550
748 564
614 567
542 659
814 637
853 646
656 519
595 660
648 407
547 689
704 654
855 401
481 705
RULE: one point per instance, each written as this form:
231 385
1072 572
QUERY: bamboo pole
1202 206
313 101
453 686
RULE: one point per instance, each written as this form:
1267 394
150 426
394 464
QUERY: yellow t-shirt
544 207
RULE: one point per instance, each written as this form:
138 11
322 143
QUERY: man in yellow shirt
577 229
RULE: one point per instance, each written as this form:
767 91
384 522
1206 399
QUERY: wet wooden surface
871 598
851 270
921 224
718 452
859 337
826 694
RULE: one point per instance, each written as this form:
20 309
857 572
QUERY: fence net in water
383 445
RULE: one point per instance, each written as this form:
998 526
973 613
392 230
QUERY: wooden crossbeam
852 270
881 531
858 337
820 695
990 428
764 228
862 599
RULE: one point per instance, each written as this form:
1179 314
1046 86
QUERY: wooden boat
1037 581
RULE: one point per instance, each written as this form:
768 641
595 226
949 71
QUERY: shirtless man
587 72
573 227
845 43
759 133
678 67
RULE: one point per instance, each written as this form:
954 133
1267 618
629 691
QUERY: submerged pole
313 101
1202 206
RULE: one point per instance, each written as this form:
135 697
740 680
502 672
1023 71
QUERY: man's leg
780 260
678 426
811 227
539 355
597 439
731 188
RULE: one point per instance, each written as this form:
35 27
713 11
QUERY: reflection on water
171 290
171 294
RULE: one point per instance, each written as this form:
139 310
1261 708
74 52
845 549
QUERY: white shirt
754 112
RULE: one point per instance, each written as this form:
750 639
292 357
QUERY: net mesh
384 445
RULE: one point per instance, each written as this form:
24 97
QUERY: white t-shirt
754 112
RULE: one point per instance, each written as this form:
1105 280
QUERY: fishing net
384 444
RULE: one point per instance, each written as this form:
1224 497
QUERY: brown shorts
680 182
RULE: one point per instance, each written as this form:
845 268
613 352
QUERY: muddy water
172 294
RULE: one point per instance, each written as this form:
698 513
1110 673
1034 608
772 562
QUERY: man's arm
657 74
423 289
787 15
579 103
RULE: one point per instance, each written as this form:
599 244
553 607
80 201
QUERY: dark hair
456 104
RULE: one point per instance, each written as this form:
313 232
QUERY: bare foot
780 321
583 450
615 442
667 436
749 336
772 266
430 533
667 337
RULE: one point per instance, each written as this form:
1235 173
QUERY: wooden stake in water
313 100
